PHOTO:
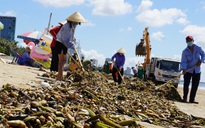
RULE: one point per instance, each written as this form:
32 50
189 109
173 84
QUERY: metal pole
49 23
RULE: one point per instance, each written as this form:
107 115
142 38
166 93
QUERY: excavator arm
144 48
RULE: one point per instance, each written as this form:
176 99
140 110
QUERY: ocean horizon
201 84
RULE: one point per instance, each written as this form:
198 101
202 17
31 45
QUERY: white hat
76 17
63 22
140 65
121 50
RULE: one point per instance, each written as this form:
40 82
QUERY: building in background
1 27
127 71
9 23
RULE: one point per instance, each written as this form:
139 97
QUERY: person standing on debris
192 56
140 73
65 39
134 70
118 60
54 60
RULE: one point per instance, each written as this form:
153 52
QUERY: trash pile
92 100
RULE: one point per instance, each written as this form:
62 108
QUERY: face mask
75 24
190 43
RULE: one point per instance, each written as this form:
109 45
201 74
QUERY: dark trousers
195 83
54 61
117 78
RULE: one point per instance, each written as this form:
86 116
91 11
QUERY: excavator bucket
140 49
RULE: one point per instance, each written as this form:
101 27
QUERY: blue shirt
65 35
190 59
119 59
26 59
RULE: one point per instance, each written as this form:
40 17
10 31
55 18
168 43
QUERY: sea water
201 84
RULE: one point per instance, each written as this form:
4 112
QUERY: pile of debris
92 99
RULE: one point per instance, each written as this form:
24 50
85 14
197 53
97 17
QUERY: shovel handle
175 77
191 68
79 59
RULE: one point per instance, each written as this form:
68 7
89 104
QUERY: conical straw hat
76 17
121 50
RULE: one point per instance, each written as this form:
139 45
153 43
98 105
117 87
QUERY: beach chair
16 56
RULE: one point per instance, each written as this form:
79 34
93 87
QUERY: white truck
161 70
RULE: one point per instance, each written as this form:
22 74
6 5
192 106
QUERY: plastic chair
16 56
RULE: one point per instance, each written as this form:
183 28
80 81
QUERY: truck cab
162 70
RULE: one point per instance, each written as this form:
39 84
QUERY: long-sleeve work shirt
119 59
66 34
190 59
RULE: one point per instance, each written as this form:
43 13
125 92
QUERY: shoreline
200 86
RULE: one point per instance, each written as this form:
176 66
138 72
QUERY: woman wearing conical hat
118 60
65 38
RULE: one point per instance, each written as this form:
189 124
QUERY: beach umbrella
1 26
31 36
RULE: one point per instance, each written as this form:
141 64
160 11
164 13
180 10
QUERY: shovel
174 78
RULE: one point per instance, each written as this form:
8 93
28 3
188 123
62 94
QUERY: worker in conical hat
118 60
65 39
140 73
121 50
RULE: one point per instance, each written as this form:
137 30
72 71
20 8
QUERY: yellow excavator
144 48
158 69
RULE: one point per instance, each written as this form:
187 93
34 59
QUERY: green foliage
6 45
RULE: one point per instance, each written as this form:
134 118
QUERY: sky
115 24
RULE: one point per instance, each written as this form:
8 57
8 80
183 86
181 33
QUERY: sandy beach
23 76
20 76
193 109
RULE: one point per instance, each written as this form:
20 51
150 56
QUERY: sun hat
76 17
140 65
189 38
121 50
63 22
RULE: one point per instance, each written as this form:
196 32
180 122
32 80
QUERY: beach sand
197 110
23 76
19 76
